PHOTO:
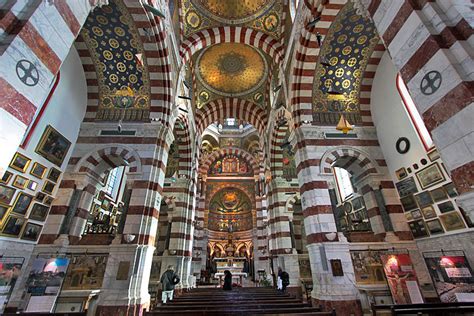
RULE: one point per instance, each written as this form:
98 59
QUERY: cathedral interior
332 139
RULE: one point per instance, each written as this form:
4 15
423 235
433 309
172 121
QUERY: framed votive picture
408 203
433 155
6 194
32 185
39 212
6 177
20 182
336 267
439 194
53 146
22 203
406 187
434 226
424 199
54 175
13 226
450 190
20 162
3 212
38 170
31 232
40 196
48 187
48 200
408 216
452 221
401 173
418 229
416 214
430 176
446 207
428 212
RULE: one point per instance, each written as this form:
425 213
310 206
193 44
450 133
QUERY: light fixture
139 58
277 88
154 10
186 84
172 252
314 22
344 126
129 238
282 121
185 97
331 236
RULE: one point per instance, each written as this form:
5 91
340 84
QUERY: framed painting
430 176
439 194
428 212
38 170
3 212
40 196
6 194
53 146
48 187
446 207
39 212
408 203
54 175
31 232
409 216
336 267
22 203
452 221
450 189
6 177
416 214
424 199
20 162
401 173
434 226
48 200
433 155
13 226
32 185
406 187
20 182
418 229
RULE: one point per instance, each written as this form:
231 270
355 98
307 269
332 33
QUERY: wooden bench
425 309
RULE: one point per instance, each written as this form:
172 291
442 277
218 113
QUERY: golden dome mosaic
231 69
237 11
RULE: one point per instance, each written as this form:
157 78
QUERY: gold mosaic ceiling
262 15
231 69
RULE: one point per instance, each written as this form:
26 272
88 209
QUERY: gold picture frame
452 221
430 176
38 170
20 182
6 177
13 226
53 146
48 187
20 162
22 203
3 212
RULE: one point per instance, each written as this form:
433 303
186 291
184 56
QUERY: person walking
168 281
227 281
283 280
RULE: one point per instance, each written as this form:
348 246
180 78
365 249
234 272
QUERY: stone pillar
323 241
81 214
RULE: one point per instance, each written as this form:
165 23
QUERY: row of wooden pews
239 301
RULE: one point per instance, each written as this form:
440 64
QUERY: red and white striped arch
231 34
220 109
239 152
183 140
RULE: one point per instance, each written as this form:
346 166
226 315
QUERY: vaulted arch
209 159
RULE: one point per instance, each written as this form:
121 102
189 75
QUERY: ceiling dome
231 69
237 11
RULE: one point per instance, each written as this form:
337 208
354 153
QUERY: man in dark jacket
284 279
168 280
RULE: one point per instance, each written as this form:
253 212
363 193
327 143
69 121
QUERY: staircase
239 301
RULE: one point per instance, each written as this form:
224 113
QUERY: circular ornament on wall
27 72
431 82
402 145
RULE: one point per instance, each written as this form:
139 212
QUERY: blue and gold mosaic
114 43
347 49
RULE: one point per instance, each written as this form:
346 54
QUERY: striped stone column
81 213
373 211
321 233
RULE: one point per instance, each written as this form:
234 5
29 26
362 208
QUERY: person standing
227 281
168 281
283 280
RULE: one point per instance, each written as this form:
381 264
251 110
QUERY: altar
235 275
234 264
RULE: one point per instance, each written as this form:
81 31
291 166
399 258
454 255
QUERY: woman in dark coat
227 280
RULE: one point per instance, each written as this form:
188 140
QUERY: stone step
247 312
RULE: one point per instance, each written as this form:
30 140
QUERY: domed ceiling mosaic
346 49
230 205
113 41
230 70
262 15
